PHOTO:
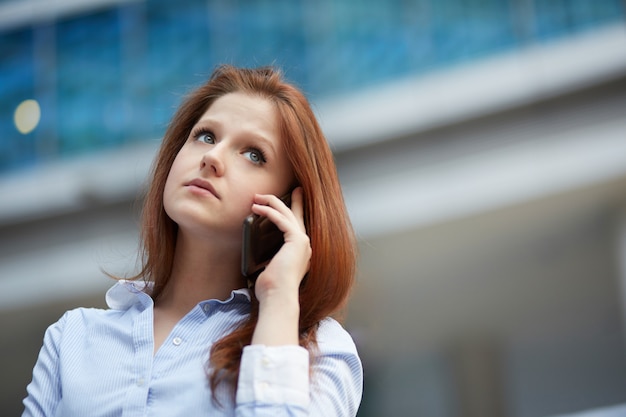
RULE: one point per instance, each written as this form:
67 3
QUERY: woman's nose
213 160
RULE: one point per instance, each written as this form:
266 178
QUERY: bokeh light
27 116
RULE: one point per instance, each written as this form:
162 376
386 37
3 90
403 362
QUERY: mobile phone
261 240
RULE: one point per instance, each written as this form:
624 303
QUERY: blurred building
481 147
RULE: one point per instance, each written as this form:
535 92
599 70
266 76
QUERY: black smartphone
261 240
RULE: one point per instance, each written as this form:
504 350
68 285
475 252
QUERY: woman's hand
277 287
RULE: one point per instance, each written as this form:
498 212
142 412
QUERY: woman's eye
255 155
206 138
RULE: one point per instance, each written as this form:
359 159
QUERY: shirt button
206 308
140 382
177 341
266 361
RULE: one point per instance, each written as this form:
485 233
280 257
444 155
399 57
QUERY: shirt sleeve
282 381
273 378
44 391
337 373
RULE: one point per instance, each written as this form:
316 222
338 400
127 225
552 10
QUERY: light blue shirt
101 363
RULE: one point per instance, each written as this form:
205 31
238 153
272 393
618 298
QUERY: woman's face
233 151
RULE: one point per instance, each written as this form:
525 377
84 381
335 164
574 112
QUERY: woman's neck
201 270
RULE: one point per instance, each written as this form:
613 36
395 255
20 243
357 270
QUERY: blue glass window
90 109
17 83
113 76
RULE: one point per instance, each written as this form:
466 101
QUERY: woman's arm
277 288
44 391
275 370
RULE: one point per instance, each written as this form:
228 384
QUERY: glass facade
114 76
89 91
17 83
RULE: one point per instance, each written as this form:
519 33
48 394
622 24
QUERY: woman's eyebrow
207 121
262 138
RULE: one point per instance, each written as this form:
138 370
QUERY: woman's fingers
290 264
297 204
279 213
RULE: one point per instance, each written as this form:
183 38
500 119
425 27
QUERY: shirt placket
136 400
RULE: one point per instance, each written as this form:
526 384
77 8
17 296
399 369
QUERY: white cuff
274 375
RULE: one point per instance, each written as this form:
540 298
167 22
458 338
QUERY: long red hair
327 285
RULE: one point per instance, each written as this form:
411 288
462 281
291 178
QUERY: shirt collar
126 293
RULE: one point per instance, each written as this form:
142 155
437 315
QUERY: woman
186 336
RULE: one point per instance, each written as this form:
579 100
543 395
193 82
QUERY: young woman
189 336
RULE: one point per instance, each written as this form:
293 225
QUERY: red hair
326 287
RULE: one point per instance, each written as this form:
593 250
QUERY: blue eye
256 156
205 137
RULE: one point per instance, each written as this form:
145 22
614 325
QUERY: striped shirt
101 363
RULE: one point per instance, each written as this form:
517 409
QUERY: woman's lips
202 186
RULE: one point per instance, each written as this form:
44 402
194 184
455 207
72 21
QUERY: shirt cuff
274 375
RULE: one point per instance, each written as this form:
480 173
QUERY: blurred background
481 146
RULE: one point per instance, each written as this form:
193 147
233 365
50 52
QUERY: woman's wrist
279 314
